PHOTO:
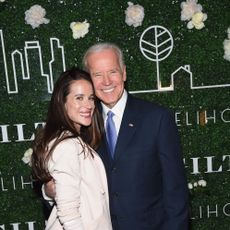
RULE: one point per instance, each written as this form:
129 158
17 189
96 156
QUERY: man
145 171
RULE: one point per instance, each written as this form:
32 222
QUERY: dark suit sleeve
175 191
46 206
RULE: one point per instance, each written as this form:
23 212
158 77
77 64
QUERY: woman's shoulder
66 147
65 156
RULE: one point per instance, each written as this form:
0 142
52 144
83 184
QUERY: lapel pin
131 125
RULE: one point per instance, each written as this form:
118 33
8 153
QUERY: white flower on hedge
27 156
79 29
189 8
227 49
35 16
202 183
197 21
190 186
134 15
2 0
228 31
226 44
195 184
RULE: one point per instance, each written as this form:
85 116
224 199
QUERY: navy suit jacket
146 178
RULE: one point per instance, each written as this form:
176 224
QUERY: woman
63 151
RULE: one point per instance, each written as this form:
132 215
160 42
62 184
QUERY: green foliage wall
202 115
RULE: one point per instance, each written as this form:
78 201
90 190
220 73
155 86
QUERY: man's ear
124 73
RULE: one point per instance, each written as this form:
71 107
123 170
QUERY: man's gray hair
101 47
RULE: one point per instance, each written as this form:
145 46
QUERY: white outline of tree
154 47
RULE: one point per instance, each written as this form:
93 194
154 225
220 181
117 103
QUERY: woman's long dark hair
58 122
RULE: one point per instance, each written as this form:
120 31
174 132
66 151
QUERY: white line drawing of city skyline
25 70
35 45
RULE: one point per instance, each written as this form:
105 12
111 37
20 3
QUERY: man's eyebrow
96 72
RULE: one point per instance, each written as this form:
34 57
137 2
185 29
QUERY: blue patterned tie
111 134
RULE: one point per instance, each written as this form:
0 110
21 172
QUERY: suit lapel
130 120
127 128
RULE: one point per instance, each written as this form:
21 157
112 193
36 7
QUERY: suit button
115 194
114 169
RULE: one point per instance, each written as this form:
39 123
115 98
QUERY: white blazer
82 201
